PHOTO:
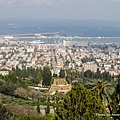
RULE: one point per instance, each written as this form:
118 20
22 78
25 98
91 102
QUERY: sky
60 9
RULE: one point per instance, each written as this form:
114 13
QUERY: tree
39 78
81 104
103 90
69 79
67 63
115 104
35 94
18 110
47 76
98 73
38 108
21 92
1 97
3 113
88 74
102 87
2 84
9 88
62 73
48 109
54 75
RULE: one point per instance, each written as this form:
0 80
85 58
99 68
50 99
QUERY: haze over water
65 27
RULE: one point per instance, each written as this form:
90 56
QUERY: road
53 58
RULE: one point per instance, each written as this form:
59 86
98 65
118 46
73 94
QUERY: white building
69 43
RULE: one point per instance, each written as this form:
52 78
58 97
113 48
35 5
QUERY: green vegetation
48 109
105 75
47 117
84 102
3 113
115 104
32 74
62 73
47 77
55 75
88 59
103 90
81 104
71 75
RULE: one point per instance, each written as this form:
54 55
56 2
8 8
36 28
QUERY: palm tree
116 100
103 89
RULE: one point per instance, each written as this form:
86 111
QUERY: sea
65 27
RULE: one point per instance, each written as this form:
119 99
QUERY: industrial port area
53 50
55 38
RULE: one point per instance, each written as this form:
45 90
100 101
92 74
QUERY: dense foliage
47 117
115 104
35 75
9 83
47 77
3 113
80 104
98 75
62 73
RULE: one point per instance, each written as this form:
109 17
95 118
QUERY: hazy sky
60 9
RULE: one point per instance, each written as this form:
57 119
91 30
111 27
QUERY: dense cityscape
42 80
59 60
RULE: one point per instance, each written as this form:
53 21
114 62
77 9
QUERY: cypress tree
62 73
48 109
46 76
